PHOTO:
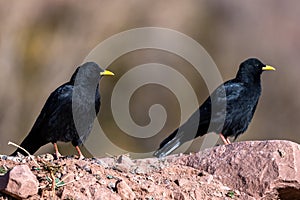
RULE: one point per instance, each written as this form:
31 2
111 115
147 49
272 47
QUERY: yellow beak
106 73
268 68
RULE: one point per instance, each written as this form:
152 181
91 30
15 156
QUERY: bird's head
89 72
251 69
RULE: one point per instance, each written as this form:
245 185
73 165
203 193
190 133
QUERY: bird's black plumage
233 103
69 111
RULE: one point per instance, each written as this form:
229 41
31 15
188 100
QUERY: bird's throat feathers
248 76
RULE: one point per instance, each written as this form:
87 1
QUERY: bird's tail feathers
30 144
169 144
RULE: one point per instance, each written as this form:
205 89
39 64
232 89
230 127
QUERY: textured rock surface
124 190
19 182
245 170
260 169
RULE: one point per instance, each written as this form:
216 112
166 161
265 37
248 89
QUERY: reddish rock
124 190
124 163
182 182
19 182
262 169
123 159
76 193
105 162
106 194
178 196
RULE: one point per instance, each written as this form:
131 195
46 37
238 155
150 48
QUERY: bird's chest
239 114
243 107
83 103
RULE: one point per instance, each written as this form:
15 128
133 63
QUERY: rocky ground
244 170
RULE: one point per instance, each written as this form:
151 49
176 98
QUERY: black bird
69 111
234 104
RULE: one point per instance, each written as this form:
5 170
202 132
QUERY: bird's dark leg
58 155
225 140
79 152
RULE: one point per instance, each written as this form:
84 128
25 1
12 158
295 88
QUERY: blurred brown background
41 43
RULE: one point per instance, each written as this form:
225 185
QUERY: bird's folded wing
58 101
